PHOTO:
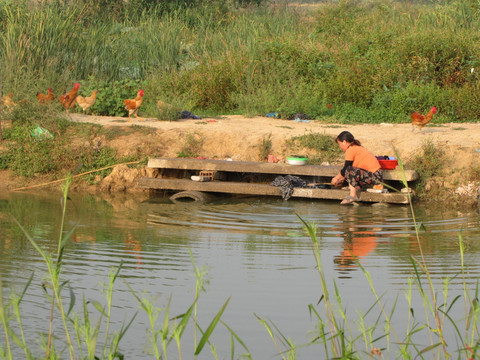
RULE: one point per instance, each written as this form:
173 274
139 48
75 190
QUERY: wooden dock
254 178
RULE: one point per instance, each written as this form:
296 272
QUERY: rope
74 176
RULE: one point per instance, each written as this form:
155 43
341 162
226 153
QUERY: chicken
68 99
46 98
132 105
87 101
7 101
420 120
161 105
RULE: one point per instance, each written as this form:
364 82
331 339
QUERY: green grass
428 164
368 61
265 147
28 156
321 147
192 146
380 337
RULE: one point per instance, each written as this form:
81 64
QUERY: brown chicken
87 101
420 120
132 105
7 101
68 99
46 98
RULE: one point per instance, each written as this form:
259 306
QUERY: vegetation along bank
342 64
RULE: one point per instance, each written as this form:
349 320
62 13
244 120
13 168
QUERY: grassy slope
372 61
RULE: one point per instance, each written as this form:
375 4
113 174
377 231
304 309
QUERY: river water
253 251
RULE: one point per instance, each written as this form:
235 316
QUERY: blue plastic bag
275 115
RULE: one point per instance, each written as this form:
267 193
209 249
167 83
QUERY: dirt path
238 137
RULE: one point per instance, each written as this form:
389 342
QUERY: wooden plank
265 168
264 190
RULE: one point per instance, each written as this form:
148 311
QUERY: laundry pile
286 184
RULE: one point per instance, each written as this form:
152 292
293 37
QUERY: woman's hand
338 180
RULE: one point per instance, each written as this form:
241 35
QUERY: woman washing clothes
361 167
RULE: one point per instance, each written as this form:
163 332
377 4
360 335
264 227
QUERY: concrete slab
266 168
257 189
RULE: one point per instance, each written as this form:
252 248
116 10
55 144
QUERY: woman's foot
349 200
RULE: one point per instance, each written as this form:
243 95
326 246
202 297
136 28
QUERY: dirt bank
239 138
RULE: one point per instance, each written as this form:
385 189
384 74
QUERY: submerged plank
264 190
265 168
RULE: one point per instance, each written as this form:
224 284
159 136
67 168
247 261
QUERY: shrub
464 103
265 148
111 95
322 145
27 156
211 85
427 164
192 146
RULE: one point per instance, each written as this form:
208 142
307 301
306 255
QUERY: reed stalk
279 58
335 332
423 264
152 313
87 333
472 307
16 308
290 348
109 297
54 269
4 320
199 288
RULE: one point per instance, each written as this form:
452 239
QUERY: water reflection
360 231
358 243
255 250
133 247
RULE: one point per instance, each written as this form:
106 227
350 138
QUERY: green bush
464 103
211 85
373 61
111 95
192 146
28 156
427 164
323 145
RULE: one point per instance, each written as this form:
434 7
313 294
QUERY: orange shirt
362 158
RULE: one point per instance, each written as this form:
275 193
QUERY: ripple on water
254 250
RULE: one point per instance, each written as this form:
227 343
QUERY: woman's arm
347 164
340 178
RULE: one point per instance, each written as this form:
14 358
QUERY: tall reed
381 337
258 59
87 332
54 266
335 332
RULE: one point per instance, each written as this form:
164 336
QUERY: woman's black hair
348 137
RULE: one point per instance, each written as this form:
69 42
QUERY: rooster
68 99
87 101
46 98
132 105
420 120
